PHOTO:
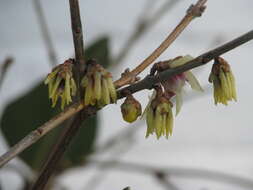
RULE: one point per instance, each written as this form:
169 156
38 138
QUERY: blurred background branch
4 67
176 171
45 32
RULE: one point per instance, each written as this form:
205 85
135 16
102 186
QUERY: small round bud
130 109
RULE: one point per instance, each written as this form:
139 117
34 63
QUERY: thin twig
177 171
193 12
146 83
45 32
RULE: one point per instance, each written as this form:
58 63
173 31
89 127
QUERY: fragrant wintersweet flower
174 85
223 82
98 86
61 84
159 116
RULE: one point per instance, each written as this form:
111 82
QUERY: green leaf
32 109
22 116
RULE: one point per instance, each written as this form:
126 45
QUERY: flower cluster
130 109
98 86
159 116
99 90
61 84
223 82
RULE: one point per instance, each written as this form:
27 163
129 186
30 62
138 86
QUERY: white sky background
205 136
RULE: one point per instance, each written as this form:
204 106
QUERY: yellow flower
223 82
98 86
130 109
61 84
159 116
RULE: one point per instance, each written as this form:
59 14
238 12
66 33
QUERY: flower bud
130 109
223 82
61 84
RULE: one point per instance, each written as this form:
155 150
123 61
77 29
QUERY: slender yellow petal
150 122
179 101
85 82
63 100
229 84
51 76
67 89
232 79
158 124
170 122
55 86
181 61
192 80
88 93
112 90
224 84
105 92
97 86
73 87
50 86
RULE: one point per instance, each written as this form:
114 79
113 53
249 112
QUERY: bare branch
193 12
149 81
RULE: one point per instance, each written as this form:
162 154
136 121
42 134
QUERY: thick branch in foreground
193 12
146 83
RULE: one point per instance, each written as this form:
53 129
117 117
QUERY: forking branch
146 83
192 12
